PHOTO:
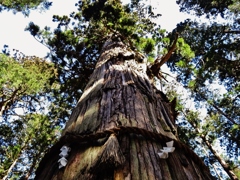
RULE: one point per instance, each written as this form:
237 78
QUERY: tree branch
232 31
155 68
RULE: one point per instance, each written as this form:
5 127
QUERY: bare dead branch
155 68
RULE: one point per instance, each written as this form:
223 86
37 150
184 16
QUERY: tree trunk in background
221 161
119 125
11 168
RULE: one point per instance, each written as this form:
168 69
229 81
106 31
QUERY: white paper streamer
166 150
64 153
62 162
163 155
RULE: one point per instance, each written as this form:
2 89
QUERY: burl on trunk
120 127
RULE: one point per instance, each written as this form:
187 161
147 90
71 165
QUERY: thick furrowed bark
120 94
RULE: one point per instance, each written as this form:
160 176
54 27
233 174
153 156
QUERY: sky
12 25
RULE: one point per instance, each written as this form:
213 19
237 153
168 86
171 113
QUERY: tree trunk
119 126
221 161
11 168
225 165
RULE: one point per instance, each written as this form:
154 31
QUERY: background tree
216 62
208 8
26 130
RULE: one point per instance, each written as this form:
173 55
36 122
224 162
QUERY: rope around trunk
99 138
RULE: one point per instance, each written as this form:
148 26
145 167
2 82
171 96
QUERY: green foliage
23 83
26 77
216 53
24 6
236 170
193 126
184 49
29 76
26 145
235 7
146 45
202 7
214 58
